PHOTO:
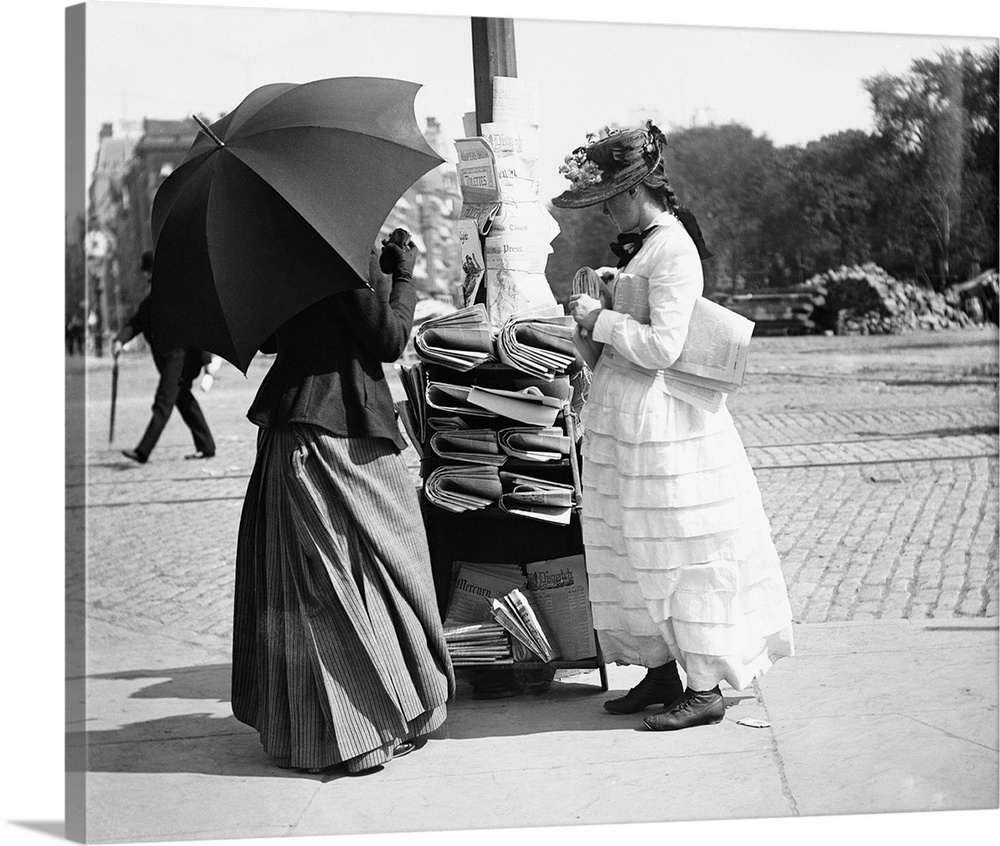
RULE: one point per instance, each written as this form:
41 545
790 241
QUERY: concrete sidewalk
869 717
877 461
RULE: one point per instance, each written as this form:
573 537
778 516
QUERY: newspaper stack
538 499
474 585
473 446
533 444
447 423
444 396
474 644
466 487
413 410
541 345
713 361
531 405
460 341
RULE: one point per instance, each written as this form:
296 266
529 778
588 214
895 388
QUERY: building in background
429 210
134 159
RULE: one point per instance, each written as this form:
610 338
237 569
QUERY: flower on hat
580 170
610 162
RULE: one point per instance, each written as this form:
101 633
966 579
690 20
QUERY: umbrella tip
208 131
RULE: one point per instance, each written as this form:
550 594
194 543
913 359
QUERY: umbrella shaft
208 131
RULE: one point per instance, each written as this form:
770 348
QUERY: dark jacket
328 368
141 323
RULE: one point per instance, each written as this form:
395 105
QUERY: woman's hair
659 187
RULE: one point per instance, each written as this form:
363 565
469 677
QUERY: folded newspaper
474 585
465 487
517 613
444 396
715 352
533 444
447 423
410 424
460 341
474 446
560 593
711 364
538 499
413 410
539 343
529 405
472 644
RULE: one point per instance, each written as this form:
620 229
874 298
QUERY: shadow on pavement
203 681
187 743
213 744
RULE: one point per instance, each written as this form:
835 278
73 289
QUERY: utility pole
493 54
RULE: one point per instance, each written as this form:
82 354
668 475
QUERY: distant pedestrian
75 335
679 554
339 655
178 369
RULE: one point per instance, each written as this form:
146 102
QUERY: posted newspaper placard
559 587
473 262
515 100
477 171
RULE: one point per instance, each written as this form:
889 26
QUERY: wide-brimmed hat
610 165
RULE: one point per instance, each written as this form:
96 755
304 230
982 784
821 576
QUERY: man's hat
607 166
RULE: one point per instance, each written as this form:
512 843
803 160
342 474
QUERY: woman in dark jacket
339 655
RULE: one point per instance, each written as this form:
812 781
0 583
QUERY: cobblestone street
877 461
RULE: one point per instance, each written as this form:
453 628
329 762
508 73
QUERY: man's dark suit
178 369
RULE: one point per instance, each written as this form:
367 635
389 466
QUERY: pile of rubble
865 300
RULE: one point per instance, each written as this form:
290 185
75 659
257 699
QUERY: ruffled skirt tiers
679 551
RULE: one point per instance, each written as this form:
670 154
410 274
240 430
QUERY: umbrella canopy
276 206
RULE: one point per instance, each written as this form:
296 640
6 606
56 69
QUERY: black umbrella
276 206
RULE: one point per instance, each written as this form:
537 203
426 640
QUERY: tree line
918 195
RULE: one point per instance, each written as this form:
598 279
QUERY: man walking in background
178 368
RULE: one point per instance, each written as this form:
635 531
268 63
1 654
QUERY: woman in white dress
681 563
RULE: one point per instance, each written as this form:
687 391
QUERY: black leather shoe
693 708
131 453
660 686
405 747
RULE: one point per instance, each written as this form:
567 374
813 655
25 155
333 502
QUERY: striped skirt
338 650
679 552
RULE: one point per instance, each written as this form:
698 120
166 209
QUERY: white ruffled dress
679 552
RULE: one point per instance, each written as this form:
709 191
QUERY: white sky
169 60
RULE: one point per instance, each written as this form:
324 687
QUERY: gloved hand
399 253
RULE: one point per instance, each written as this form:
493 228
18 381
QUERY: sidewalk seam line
950 734
786 789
